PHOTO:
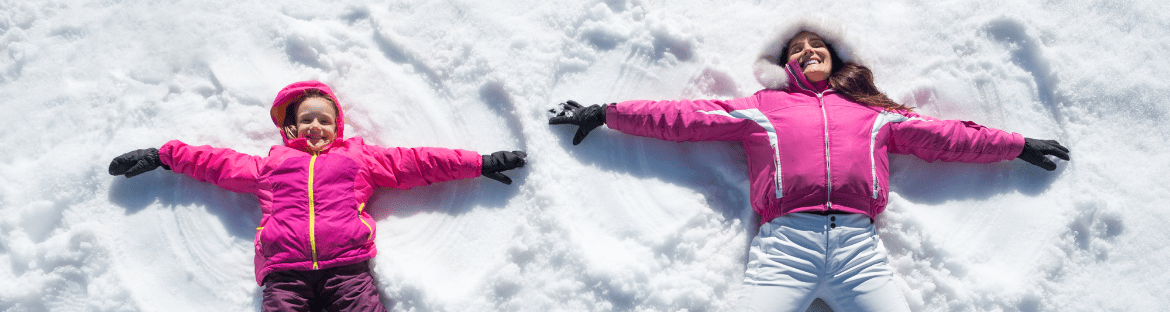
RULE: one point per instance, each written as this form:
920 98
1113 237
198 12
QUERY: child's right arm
231 170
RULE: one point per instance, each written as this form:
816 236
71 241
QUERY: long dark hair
856 82
852 80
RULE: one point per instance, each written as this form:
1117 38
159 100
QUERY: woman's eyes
798 48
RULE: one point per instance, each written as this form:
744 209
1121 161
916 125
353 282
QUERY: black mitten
588 118
502 161
136 162
1034 151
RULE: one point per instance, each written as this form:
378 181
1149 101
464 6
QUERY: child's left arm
405 168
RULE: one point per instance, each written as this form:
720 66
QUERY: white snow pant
799 257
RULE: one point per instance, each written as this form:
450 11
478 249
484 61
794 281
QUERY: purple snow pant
344 288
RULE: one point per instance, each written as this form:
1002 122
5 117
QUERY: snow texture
618 223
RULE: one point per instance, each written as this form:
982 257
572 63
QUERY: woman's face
812 54
317 122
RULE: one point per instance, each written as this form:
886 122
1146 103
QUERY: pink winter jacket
811 151
314 204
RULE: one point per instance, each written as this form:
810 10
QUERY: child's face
317 122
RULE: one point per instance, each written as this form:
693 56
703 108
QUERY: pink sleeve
231 170
404 168
686 120
953 140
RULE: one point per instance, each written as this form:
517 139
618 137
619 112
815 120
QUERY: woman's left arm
964 141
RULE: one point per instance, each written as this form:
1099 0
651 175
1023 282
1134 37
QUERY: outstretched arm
231 170
404 168
964 141
684 120
226 168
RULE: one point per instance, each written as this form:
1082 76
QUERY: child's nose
315 126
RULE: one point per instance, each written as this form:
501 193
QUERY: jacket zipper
828 161
360 207
825 119
312 212
779 181
259 233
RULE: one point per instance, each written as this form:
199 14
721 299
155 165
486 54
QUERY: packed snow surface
618 223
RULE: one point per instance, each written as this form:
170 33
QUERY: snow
618 223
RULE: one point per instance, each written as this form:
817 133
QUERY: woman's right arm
683 120
226 168
686 120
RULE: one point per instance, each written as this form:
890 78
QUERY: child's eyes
323 122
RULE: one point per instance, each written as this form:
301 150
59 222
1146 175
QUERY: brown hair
289 126
856 82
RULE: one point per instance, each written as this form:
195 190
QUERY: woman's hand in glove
587 117
1035 151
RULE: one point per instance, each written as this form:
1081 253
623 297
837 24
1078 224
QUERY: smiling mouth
809 62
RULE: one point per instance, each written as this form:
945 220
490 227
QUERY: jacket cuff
1017 146
165 153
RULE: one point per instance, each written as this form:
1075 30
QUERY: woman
817 140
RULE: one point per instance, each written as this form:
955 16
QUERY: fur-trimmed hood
769 66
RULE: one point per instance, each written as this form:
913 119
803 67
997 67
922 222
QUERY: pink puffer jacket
814 150
313 204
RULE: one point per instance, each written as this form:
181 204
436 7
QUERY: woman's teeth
810 62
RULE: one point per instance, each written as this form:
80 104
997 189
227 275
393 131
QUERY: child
315 237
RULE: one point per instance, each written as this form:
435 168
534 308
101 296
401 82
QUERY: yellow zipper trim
259 231
360 207
312 212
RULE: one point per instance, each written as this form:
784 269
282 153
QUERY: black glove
1034 151
502 161
136 162
588 118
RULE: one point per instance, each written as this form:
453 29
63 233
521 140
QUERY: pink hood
292 93
769 65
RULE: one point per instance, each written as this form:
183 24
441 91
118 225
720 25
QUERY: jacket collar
797 82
